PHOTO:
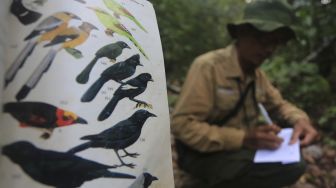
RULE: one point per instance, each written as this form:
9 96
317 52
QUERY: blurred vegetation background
304 70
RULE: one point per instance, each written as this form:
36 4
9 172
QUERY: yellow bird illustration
45 31
68 38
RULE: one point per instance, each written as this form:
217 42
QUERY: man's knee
294 171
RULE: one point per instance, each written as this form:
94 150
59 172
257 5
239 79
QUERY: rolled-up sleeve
193 108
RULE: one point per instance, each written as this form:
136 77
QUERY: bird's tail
80 148
107 111
109 174
37 74
138 24
19 61
138 46
83 77
91 93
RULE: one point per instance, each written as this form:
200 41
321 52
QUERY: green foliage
304 70
189 28
299 83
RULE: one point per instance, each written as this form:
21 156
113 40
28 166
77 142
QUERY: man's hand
263 137
304 131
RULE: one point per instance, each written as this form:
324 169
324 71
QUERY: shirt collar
231 66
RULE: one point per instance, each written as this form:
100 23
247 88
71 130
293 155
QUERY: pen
265 114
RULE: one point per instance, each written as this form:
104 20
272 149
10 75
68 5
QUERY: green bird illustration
113 25
119 10
111 51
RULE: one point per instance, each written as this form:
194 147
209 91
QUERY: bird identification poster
84 101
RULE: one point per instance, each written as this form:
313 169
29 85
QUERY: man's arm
296 117
193 108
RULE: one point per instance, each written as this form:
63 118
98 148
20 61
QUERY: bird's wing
135 42
63 37
106 19
72 164
122 28
35 113
49 24
121 131
117 70
125 12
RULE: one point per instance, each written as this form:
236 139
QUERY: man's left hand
304 131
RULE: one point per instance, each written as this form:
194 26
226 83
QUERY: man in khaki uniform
216 119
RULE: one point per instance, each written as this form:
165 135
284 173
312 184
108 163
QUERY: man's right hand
263 137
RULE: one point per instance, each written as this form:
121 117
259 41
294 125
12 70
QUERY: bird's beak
81 121
128 47
151 80
155 178
140 64
152 115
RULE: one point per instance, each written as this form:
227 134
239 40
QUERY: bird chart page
84 100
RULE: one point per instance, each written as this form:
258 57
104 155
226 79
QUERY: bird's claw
130 165
133 155
145 105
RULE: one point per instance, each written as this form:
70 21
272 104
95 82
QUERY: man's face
255 46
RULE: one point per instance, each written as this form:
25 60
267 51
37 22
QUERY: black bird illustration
129 89
119 137
41 115
24 15
116 72
62 170
110 51
143 181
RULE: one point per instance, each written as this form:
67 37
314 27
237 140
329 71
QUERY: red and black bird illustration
42 115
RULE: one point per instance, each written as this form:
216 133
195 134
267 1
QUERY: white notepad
285 154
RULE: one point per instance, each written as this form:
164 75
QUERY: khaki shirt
211 91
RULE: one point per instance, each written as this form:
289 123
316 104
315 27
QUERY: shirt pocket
226 97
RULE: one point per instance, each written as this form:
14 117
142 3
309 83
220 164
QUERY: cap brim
260 26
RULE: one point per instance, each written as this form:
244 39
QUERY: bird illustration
41 115
58 169
113 25
24 15
68 38
143 181
137 3
46 30
119 10
81 1
110 51
116 72
118 137
129 89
